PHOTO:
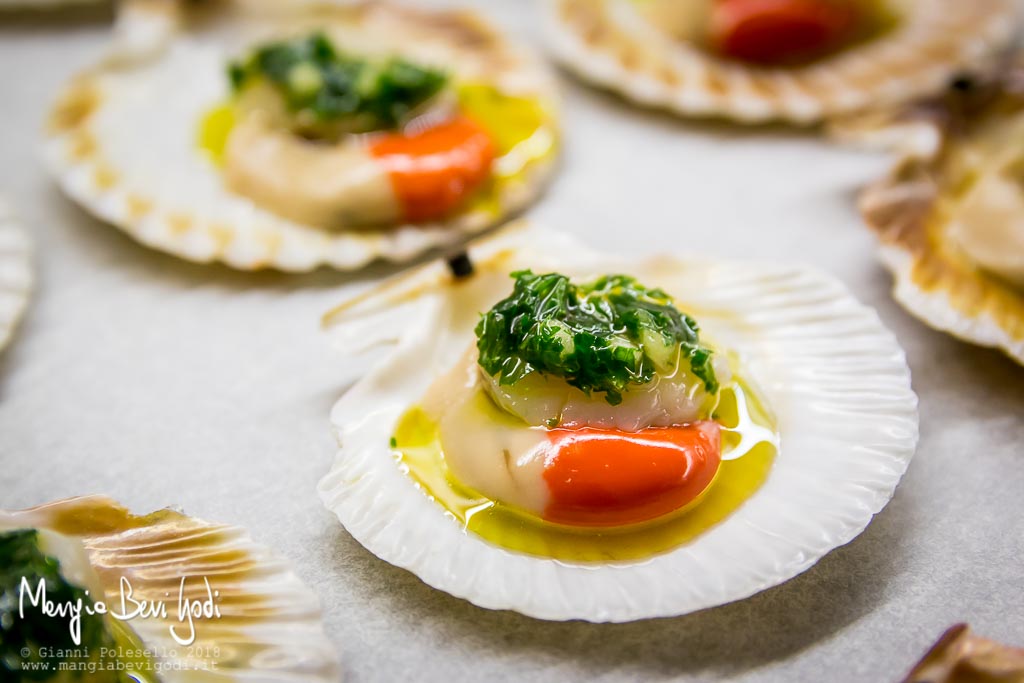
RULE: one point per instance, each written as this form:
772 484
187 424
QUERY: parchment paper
165 383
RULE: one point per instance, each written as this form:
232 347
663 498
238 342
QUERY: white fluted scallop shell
15 273
269 628
122 138
835 377
608 43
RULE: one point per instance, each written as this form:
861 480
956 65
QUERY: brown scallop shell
959 656
934 280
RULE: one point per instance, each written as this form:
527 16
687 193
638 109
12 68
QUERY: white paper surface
166 383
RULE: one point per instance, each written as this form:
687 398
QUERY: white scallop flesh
673 398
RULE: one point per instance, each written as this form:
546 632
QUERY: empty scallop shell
123 135
15 273
835 378
934 280
610 44
269 627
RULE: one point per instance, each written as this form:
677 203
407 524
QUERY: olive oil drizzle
750 443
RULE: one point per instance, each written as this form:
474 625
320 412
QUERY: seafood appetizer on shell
578 436
292 135
797 61
950 216
257 620
15 273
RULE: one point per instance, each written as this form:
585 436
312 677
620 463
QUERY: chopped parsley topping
322 86
601 336
20 556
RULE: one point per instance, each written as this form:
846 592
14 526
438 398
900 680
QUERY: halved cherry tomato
607 477
433 171
774 31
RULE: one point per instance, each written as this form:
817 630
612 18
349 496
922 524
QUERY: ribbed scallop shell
932 281
270 627
608 43
122 138
15 273
835 377
945 294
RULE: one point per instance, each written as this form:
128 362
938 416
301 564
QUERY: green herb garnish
20 556
601 336
323 86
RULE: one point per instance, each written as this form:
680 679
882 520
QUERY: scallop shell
835 377
15 273
959 651
935 283
608 43
122 136
269 628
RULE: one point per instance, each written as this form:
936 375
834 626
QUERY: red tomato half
433 171
776 31
607 477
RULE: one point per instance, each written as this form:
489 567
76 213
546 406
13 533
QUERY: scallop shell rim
934 308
